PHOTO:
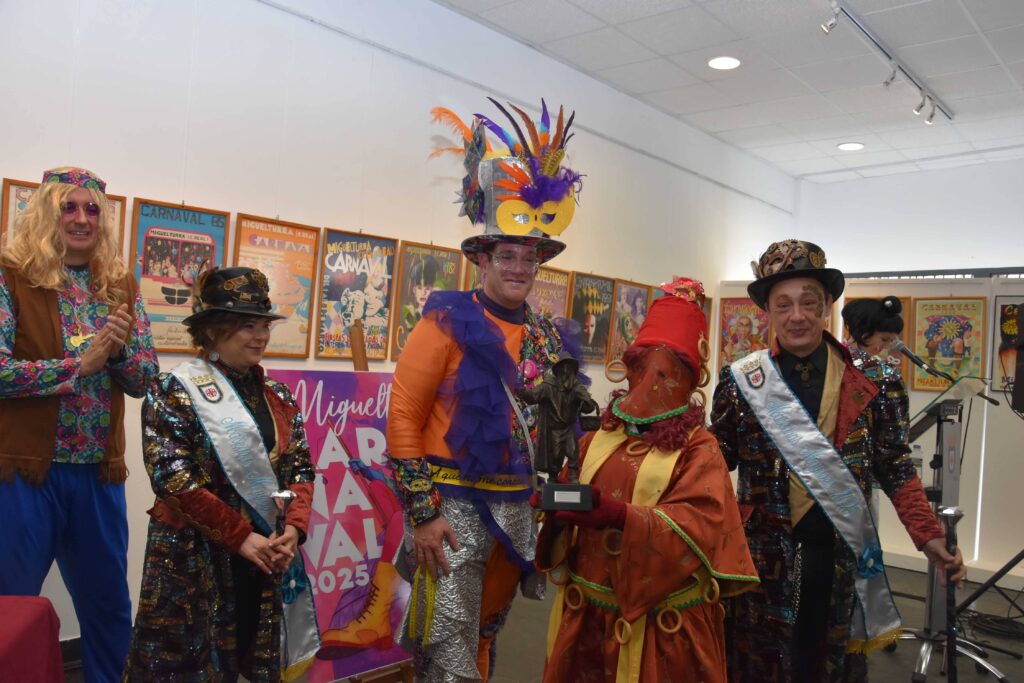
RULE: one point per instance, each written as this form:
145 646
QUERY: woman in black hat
874 324
226 452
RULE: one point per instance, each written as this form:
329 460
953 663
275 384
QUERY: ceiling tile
601 49
834 177
794 47
828 127
648 76
795 109
919 23
1017 70
1008 43
790 152
936 150
942 133
1010 148
951 162
992 129
873 97
805 166
476 6
683 30
866 6
540 21
743 116
948 56
691 99
617 11
759 136
870 158
872 143
890 118
759 85
842 74
751 17
972 83
988 107
895 169
996 14
750 54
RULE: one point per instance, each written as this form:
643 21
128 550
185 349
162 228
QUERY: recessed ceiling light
850 146
723 63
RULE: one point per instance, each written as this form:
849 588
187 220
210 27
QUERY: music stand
944 413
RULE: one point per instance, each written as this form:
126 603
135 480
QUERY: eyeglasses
508 261
92 210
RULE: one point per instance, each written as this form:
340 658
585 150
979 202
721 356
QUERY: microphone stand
950 516
935 372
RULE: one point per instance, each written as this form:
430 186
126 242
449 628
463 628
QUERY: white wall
323 119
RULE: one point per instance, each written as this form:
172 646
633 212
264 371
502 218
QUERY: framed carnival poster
895 359
592 298
550 294
355 284
171 245
1005 341
742 329
631 302
15 199
949 334
287 254
422 268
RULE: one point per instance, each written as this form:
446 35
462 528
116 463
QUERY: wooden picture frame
590 307
288 254
357 271
630 303
16 194
171 244
949 335
422 268
470 275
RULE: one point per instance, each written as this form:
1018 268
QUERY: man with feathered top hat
810 430
461 443
640 576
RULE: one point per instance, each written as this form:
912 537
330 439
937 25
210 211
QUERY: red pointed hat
677 321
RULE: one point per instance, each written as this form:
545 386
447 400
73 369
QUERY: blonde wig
38 249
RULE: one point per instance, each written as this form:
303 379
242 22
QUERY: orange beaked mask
659 382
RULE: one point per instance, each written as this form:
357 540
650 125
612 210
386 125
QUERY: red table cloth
29 641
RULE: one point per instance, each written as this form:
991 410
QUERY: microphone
898 345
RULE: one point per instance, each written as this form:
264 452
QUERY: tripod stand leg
982 663
924 657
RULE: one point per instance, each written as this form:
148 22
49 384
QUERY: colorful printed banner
949 335
356 526
742 329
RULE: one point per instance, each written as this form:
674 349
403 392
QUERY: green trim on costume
646 420
700 554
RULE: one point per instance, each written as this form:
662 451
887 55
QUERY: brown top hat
791 259
235 290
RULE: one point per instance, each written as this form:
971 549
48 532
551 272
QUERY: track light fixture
919 108
831 23
931 116
898 68
892 77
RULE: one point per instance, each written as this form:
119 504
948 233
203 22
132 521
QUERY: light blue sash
821 469
239 448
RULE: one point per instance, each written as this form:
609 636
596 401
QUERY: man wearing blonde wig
74 339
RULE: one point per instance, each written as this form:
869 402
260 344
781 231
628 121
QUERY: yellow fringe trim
875 644
421 576
295 670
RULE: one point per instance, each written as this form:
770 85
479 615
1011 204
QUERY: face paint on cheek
819 309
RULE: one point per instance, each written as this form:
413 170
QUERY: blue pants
81 522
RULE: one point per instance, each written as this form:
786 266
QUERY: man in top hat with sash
460 441
810 430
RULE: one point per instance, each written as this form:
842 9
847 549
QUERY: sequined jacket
185 628
871 437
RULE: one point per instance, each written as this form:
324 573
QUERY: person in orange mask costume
640 575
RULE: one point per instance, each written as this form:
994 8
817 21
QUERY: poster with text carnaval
286 253
356 525
355 284
171 245
742 329
949 335
550 294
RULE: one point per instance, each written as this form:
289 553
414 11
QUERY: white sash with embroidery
821 469
239 449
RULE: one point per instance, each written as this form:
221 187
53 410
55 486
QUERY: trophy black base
574 497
